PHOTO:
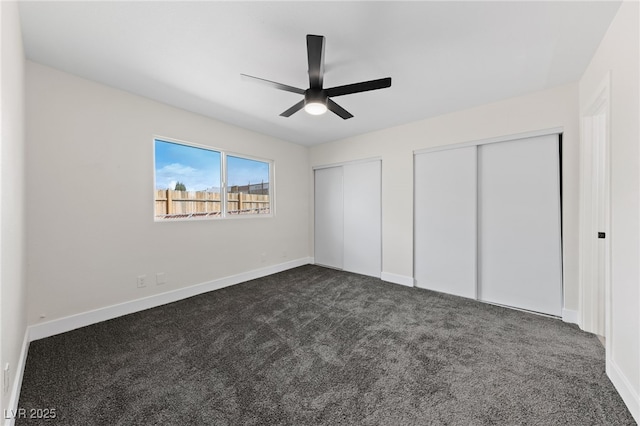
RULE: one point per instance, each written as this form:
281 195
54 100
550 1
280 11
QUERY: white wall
90 199
537 111
619 53
12 228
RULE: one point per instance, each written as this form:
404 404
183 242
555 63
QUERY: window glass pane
187 181
248 190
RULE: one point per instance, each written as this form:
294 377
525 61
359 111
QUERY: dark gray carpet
318 346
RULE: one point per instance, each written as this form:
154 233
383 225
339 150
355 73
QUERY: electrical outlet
5 378
142 281
161 278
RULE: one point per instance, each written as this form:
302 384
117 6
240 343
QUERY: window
247 186
190 182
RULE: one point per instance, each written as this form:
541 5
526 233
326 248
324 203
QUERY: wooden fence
180 204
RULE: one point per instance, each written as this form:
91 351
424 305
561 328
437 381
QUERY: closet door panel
329 222
520 263
362 218
445 221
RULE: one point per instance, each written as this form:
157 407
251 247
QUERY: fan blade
315 56
359 87
297 107
334 107
273 84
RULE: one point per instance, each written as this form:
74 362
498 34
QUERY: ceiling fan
316 98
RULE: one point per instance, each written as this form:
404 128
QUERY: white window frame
223 183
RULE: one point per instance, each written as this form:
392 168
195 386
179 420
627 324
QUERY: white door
329 214
445 221
362 218
601 211
520 261
594 250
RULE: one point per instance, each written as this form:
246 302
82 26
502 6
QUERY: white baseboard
62 325
570 316
11 410
397 279
624 388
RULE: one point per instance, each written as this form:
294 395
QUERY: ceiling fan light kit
317 100
315 108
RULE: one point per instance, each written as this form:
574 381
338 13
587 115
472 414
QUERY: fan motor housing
315 96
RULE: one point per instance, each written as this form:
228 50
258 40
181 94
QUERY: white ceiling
442 56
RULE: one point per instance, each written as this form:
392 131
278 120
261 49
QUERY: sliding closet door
329 223
445 221
362 218
520 262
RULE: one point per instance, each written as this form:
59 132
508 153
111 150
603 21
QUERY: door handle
601 235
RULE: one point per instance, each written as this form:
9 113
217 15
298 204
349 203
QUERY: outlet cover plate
142 281
161 278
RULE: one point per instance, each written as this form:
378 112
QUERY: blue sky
241 171
199 169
